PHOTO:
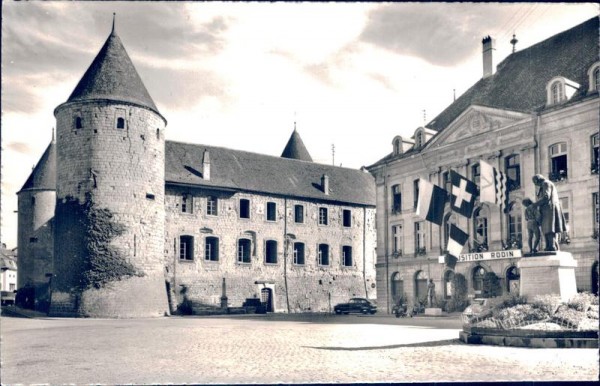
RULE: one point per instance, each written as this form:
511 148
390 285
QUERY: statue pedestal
546 273
433 312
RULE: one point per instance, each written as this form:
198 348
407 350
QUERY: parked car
356 305
8 297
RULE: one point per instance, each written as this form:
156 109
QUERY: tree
491 285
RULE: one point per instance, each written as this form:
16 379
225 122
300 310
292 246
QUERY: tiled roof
112 76
43 175
241 170
295 148
520 81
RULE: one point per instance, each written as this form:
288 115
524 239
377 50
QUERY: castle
116 221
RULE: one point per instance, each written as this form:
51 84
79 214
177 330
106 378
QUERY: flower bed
543 318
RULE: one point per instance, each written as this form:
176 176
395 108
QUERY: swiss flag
463 194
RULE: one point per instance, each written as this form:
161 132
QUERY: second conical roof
295 148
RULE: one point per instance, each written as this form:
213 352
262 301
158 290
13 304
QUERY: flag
431 201
463 194
456 241
493 187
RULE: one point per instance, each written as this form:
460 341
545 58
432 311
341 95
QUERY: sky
348 76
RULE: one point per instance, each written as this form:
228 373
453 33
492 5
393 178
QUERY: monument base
433 312
551 273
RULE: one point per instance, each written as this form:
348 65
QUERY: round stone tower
36 201
110 162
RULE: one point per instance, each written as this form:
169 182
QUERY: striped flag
456 241
493 187
431 201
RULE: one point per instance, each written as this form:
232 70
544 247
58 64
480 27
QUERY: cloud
441 34
20 147
182 89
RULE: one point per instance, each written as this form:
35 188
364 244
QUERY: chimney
489 46
325 184
206 165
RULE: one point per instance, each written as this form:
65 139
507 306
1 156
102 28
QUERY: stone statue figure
552 218
431 294
534 220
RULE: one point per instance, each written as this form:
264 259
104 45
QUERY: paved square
259 349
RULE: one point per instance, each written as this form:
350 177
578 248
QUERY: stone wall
35 236
310 287
122 171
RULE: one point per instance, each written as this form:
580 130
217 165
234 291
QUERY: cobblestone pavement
335 349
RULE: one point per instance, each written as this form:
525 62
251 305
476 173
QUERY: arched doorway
397 287
478 274
266 298
448 277
513 277
421 286
595 278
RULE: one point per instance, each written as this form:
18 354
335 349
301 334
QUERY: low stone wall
530 338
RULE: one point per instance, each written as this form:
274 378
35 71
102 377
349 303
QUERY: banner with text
480 256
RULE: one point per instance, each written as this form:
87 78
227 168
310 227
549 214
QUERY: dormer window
557 92
594 77
397 143
419 139
560 89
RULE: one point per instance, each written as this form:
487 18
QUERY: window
515 232
299 253
33 239
594 155
420 238
397 240
323 220
271 211
596 79
32 201
323 254
271 252
186 203
244 208
397 287
244 246
448 277
120 123
211 249
564 205
478 274
480 230
347 256
397 146
475 173
446 181
150 196
596 213
78 123
449 219
186 248
558 162
419 139
347 218
512 166
396 199
415 193
299 214
211 206
556 91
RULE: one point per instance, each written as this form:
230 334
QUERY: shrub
568 315
459 299
547 303
491 285
582 301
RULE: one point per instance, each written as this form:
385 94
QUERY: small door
266 298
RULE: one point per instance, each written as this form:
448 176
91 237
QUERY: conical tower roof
295 148
43 176
112 76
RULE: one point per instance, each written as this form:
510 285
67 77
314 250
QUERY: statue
431 294
547 202
534 219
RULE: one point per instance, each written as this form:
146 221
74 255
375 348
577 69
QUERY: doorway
266 298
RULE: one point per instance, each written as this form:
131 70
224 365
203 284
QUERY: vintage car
8 298
356 305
